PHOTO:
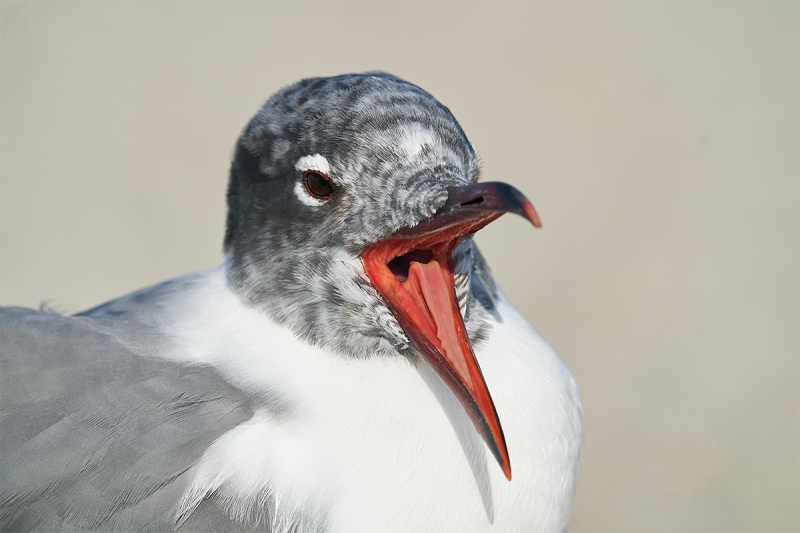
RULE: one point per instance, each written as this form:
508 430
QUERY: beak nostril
474 201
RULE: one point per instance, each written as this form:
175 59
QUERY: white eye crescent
314 187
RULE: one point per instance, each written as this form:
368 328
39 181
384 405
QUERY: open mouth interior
397 254
399 265
414 276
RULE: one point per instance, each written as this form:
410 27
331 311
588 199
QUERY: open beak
412 271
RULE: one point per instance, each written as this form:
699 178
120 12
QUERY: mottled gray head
388 149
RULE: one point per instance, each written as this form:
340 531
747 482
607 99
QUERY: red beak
412 271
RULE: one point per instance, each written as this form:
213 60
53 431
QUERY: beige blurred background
659 141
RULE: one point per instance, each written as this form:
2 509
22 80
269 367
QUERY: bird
352 366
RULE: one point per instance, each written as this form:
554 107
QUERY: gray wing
95 432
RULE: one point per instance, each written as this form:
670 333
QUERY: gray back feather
94 434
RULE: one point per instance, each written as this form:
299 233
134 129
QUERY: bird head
351 207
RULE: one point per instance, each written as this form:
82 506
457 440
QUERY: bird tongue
433 295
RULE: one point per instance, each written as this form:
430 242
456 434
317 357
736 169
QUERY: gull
351 367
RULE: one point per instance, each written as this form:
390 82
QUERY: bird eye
317 184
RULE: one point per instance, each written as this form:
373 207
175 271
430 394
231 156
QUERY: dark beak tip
496 196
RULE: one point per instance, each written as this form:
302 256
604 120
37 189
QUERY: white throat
378 444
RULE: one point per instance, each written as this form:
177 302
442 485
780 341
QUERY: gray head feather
390 150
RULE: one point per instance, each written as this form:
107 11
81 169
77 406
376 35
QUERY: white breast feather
377 444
